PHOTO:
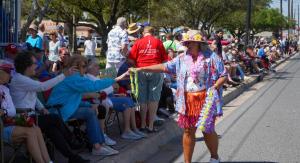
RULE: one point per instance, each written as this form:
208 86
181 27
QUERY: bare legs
188 142
127 115
132 120
34 141
144 110
129 120
152 107
212 142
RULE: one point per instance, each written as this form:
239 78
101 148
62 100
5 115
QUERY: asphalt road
262 125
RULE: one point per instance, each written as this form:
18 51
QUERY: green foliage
269 19
263 18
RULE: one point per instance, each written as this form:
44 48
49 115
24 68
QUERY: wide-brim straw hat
133 28
193 36
33 27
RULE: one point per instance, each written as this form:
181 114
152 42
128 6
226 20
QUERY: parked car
67 40
80 41
98 41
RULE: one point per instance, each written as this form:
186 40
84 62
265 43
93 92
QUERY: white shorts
115 65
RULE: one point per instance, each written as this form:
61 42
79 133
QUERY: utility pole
248 21
73 48
281 14
281 6
292 14
298 21
289 13
294 19
149 16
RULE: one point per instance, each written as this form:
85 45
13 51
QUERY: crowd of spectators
72 82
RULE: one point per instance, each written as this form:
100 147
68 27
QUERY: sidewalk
138 151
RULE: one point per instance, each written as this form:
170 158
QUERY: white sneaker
143 135
104 151
130 135
247 77
212 160
111 149
109 141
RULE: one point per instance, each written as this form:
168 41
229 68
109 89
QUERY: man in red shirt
146 52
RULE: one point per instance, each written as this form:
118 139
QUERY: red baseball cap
11 48
6 67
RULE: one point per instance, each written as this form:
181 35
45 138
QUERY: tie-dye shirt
215 70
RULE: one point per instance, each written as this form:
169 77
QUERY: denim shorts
122 103
7 135
150 85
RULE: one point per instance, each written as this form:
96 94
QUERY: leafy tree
60 11
269 19
33 11
195 14
103 14
235 21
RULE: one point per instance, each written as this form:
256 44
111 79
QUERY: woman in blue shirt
34 40
69 93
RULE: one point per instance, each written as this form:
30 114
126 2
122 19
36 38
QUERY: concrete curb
141 150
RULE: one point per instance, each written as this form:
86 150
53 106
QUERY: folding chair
15 147
113 115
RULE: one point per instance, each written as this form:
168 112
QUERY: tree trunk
29 20
104 34
35 12
70 35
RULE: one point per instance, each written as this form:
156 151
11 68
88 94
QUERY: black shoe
78 159
144 130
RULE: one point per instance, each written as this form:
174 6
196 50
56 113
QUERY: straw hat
33 27
193 36
133 28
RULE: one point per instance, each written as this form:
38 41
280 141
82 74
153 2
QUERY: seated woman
69 93
31 136
24 95
120 103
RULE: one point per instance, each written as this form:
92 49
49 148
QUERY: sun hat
33 27
133 28
11 49
193 36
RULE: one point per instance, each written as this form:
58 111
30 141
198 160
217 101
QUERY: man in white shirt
90 48
117 43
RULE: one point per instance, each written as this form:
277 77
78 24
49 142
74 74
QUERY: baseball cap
11 48
6 67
